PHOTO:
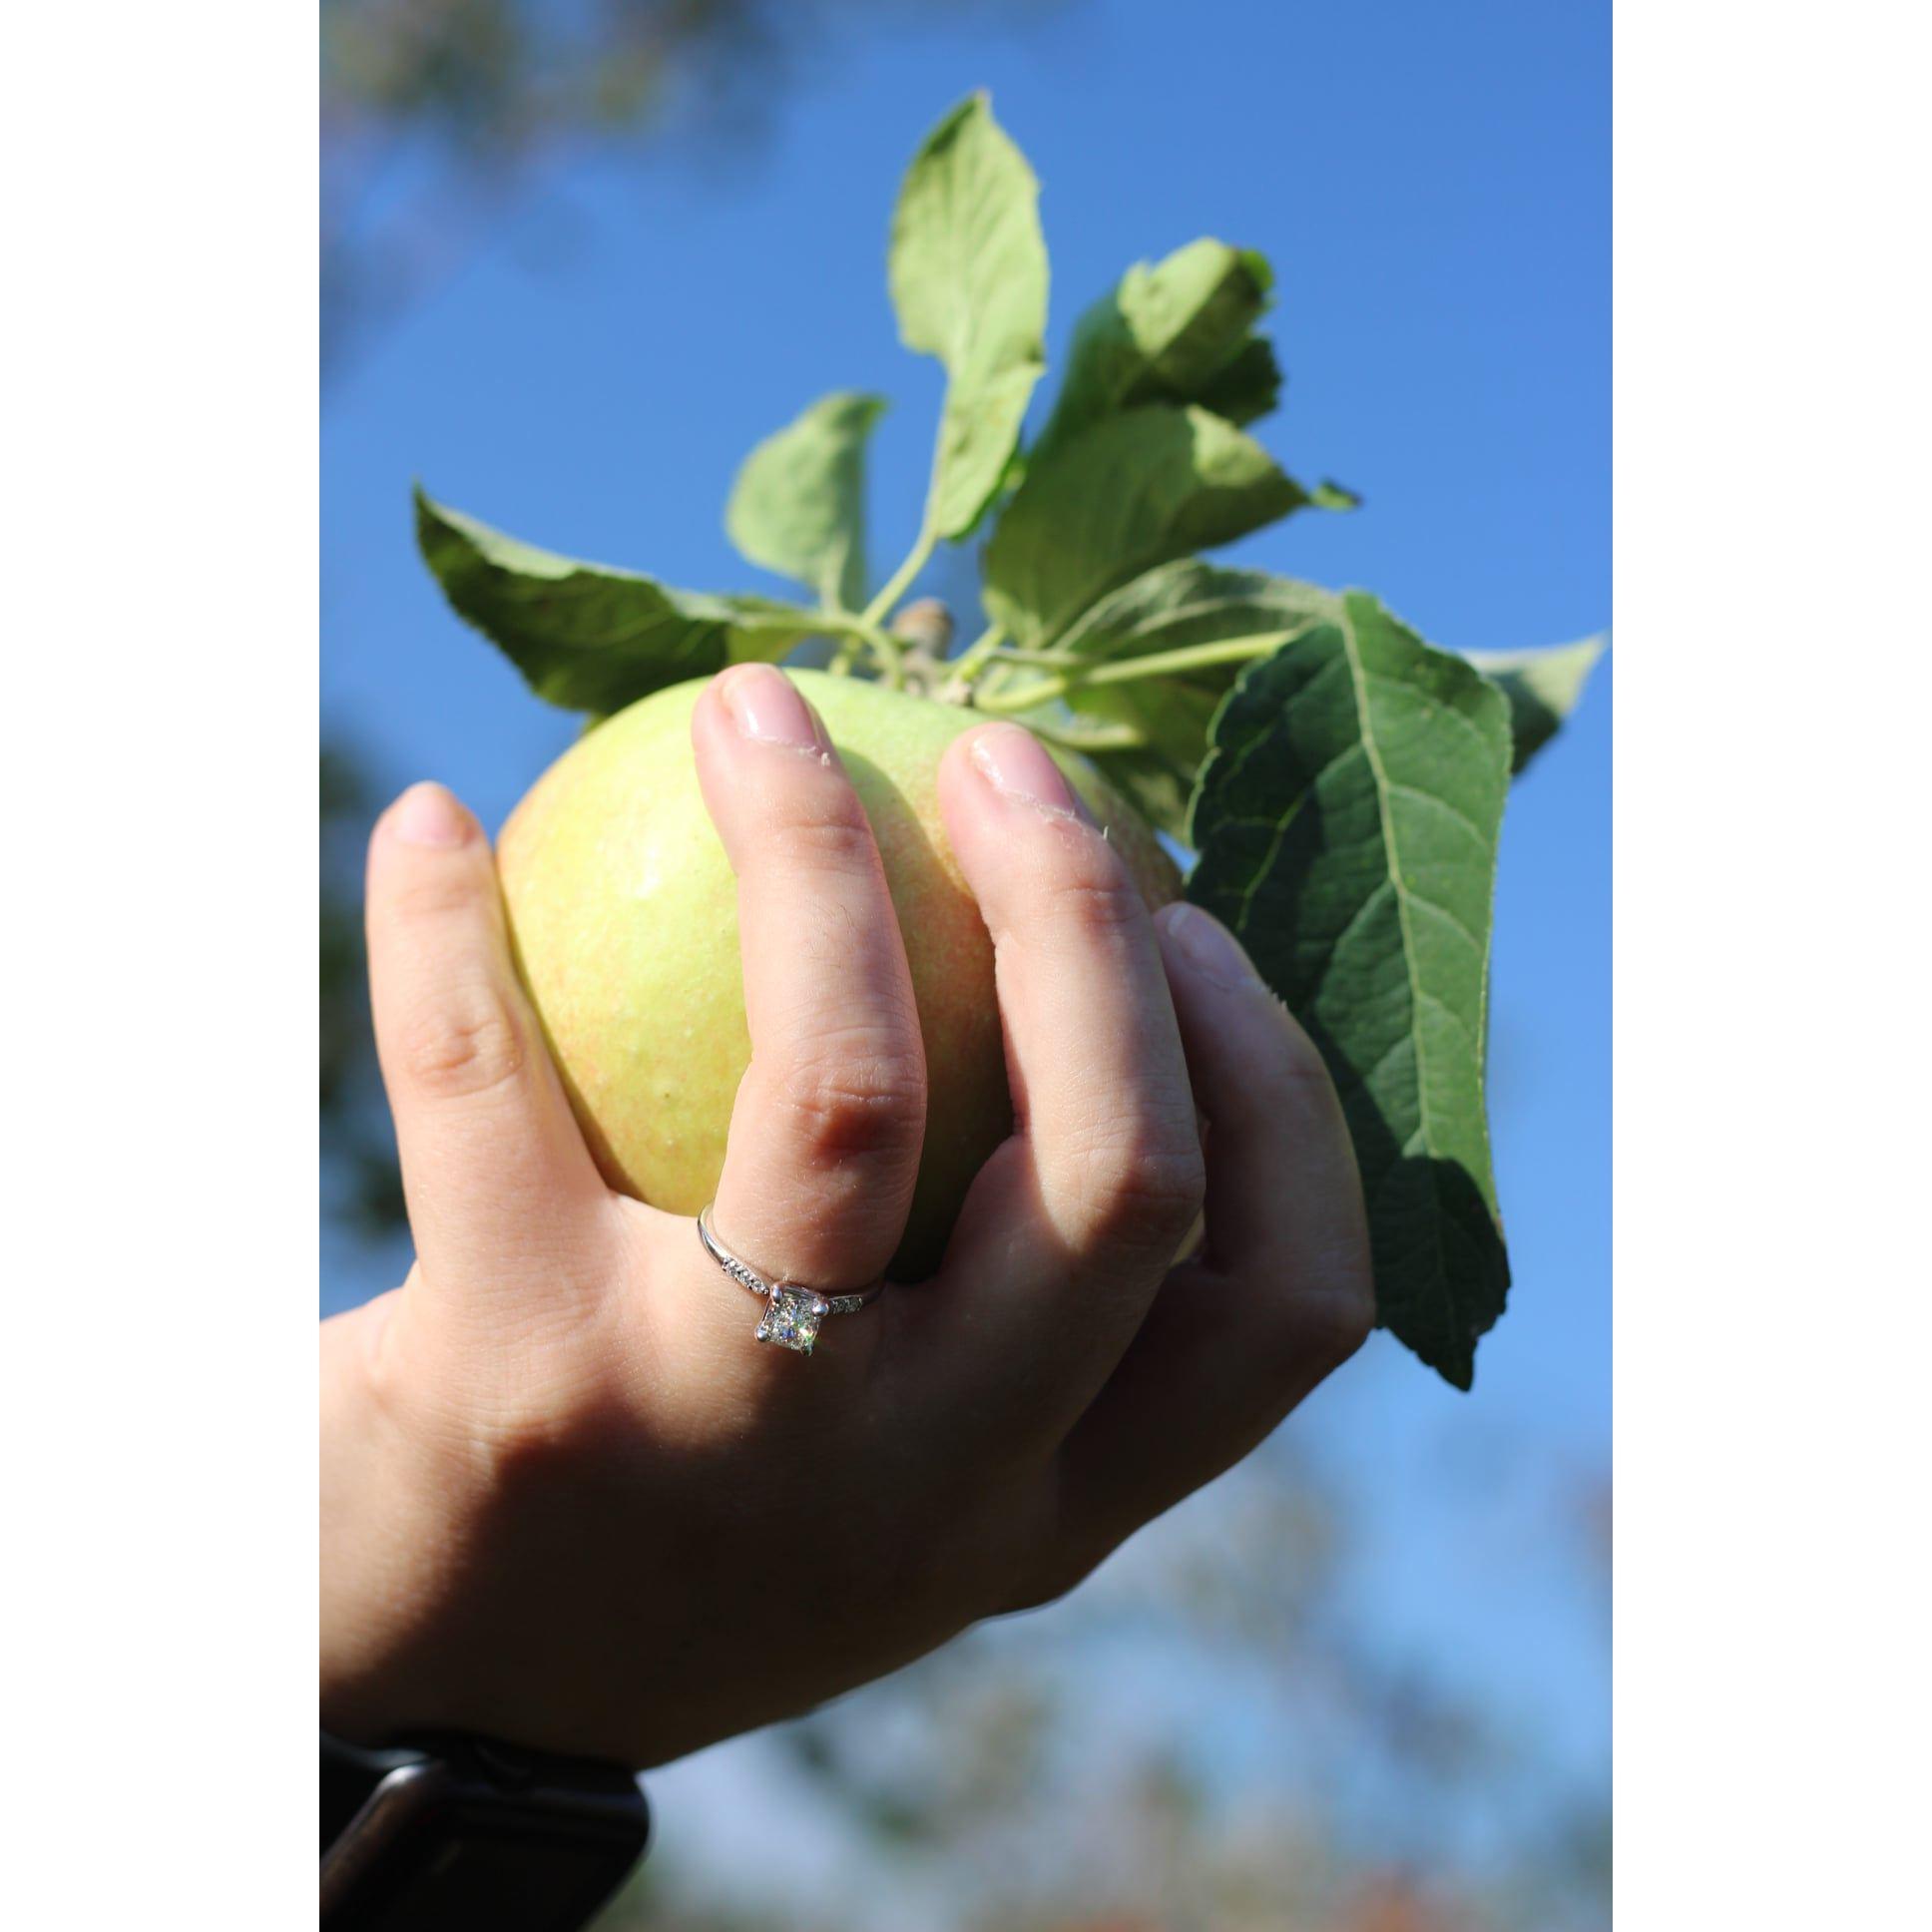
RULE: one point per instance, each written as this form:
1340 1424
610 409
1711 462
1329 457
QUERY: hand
568 1502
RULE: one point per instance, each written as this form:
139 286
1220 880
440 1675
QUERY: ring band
793 1312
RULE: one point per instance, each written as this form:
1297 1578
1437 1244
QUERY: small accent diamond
792 1318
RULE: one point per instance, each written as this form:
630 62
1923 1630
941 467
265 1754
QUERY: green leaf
798 505
1178 606
1543 688
1330 495
1130 491
585 637
969 281
1182 605
1169 334
1347 823
1249 386
1150 737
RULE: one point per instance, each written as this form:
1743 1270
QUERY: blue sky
1432 185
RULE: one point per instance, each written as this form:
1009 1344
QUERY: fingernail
426 814
1208 947
765 705
1015 764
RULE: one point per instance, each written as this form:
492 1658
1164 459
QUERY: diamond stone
791 1319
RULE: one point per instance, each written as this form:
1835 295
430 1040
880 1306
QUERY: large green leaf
1166 333
1543 688
1130 491
969 281
585 637
798 505
1348 822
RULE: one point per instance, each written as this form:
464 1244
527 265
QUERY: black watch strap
459 1834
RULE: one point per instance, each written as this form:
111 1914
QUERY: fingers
826 1130
1071 1226
497 1174
1284 1292
1281 1182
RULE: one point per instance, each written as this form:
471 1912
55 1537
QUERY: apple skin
622 912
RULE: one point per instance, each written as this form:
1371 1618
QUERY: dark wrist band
460 1834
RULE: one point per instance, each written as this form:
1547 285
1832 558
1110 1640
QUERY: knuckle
855 1095
1095 893
828 835
1054 1570
1044 1578
1144 1184
433 894
534 1437
1310 1317
1300 1063
1047 1582
1288 1081
514 1425
465 1042
1327 1325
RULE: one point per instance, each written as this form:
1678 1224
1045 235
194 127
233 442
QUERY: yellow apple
624 914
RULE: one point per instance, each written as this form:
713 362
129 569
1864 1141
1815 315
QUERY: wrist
375 1534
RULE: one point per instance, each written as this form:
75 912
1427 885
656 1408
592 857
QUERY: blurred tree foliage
439 114
1072 1772
362 1188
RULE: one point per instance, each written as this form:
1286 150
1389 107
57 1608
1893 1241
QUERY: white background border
157 782
1774 739
1774 957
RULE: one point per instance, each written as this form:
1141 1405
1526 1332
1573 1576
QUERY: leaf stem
1051 659
1123 670
852 630
962 670
896 586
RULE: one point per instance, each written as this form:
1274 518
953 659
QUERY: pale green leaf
1169 334
1186 603
798 505
1347 820
1543 688
587 637
969 281
1130 492
1151 736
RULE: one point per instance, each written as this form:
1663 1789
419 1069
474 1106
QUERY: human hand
569 1503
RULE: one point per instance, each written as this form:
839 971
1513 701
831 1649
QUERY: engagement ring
793 1312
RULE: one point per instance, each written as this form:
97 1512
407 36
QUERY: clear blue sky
1432 185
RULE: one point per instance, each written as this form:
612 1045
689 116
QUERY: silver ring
793 1312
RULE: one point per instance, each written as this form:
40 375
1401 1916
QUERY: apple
624 916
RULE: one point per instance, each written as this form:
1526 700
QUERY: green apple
624 916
